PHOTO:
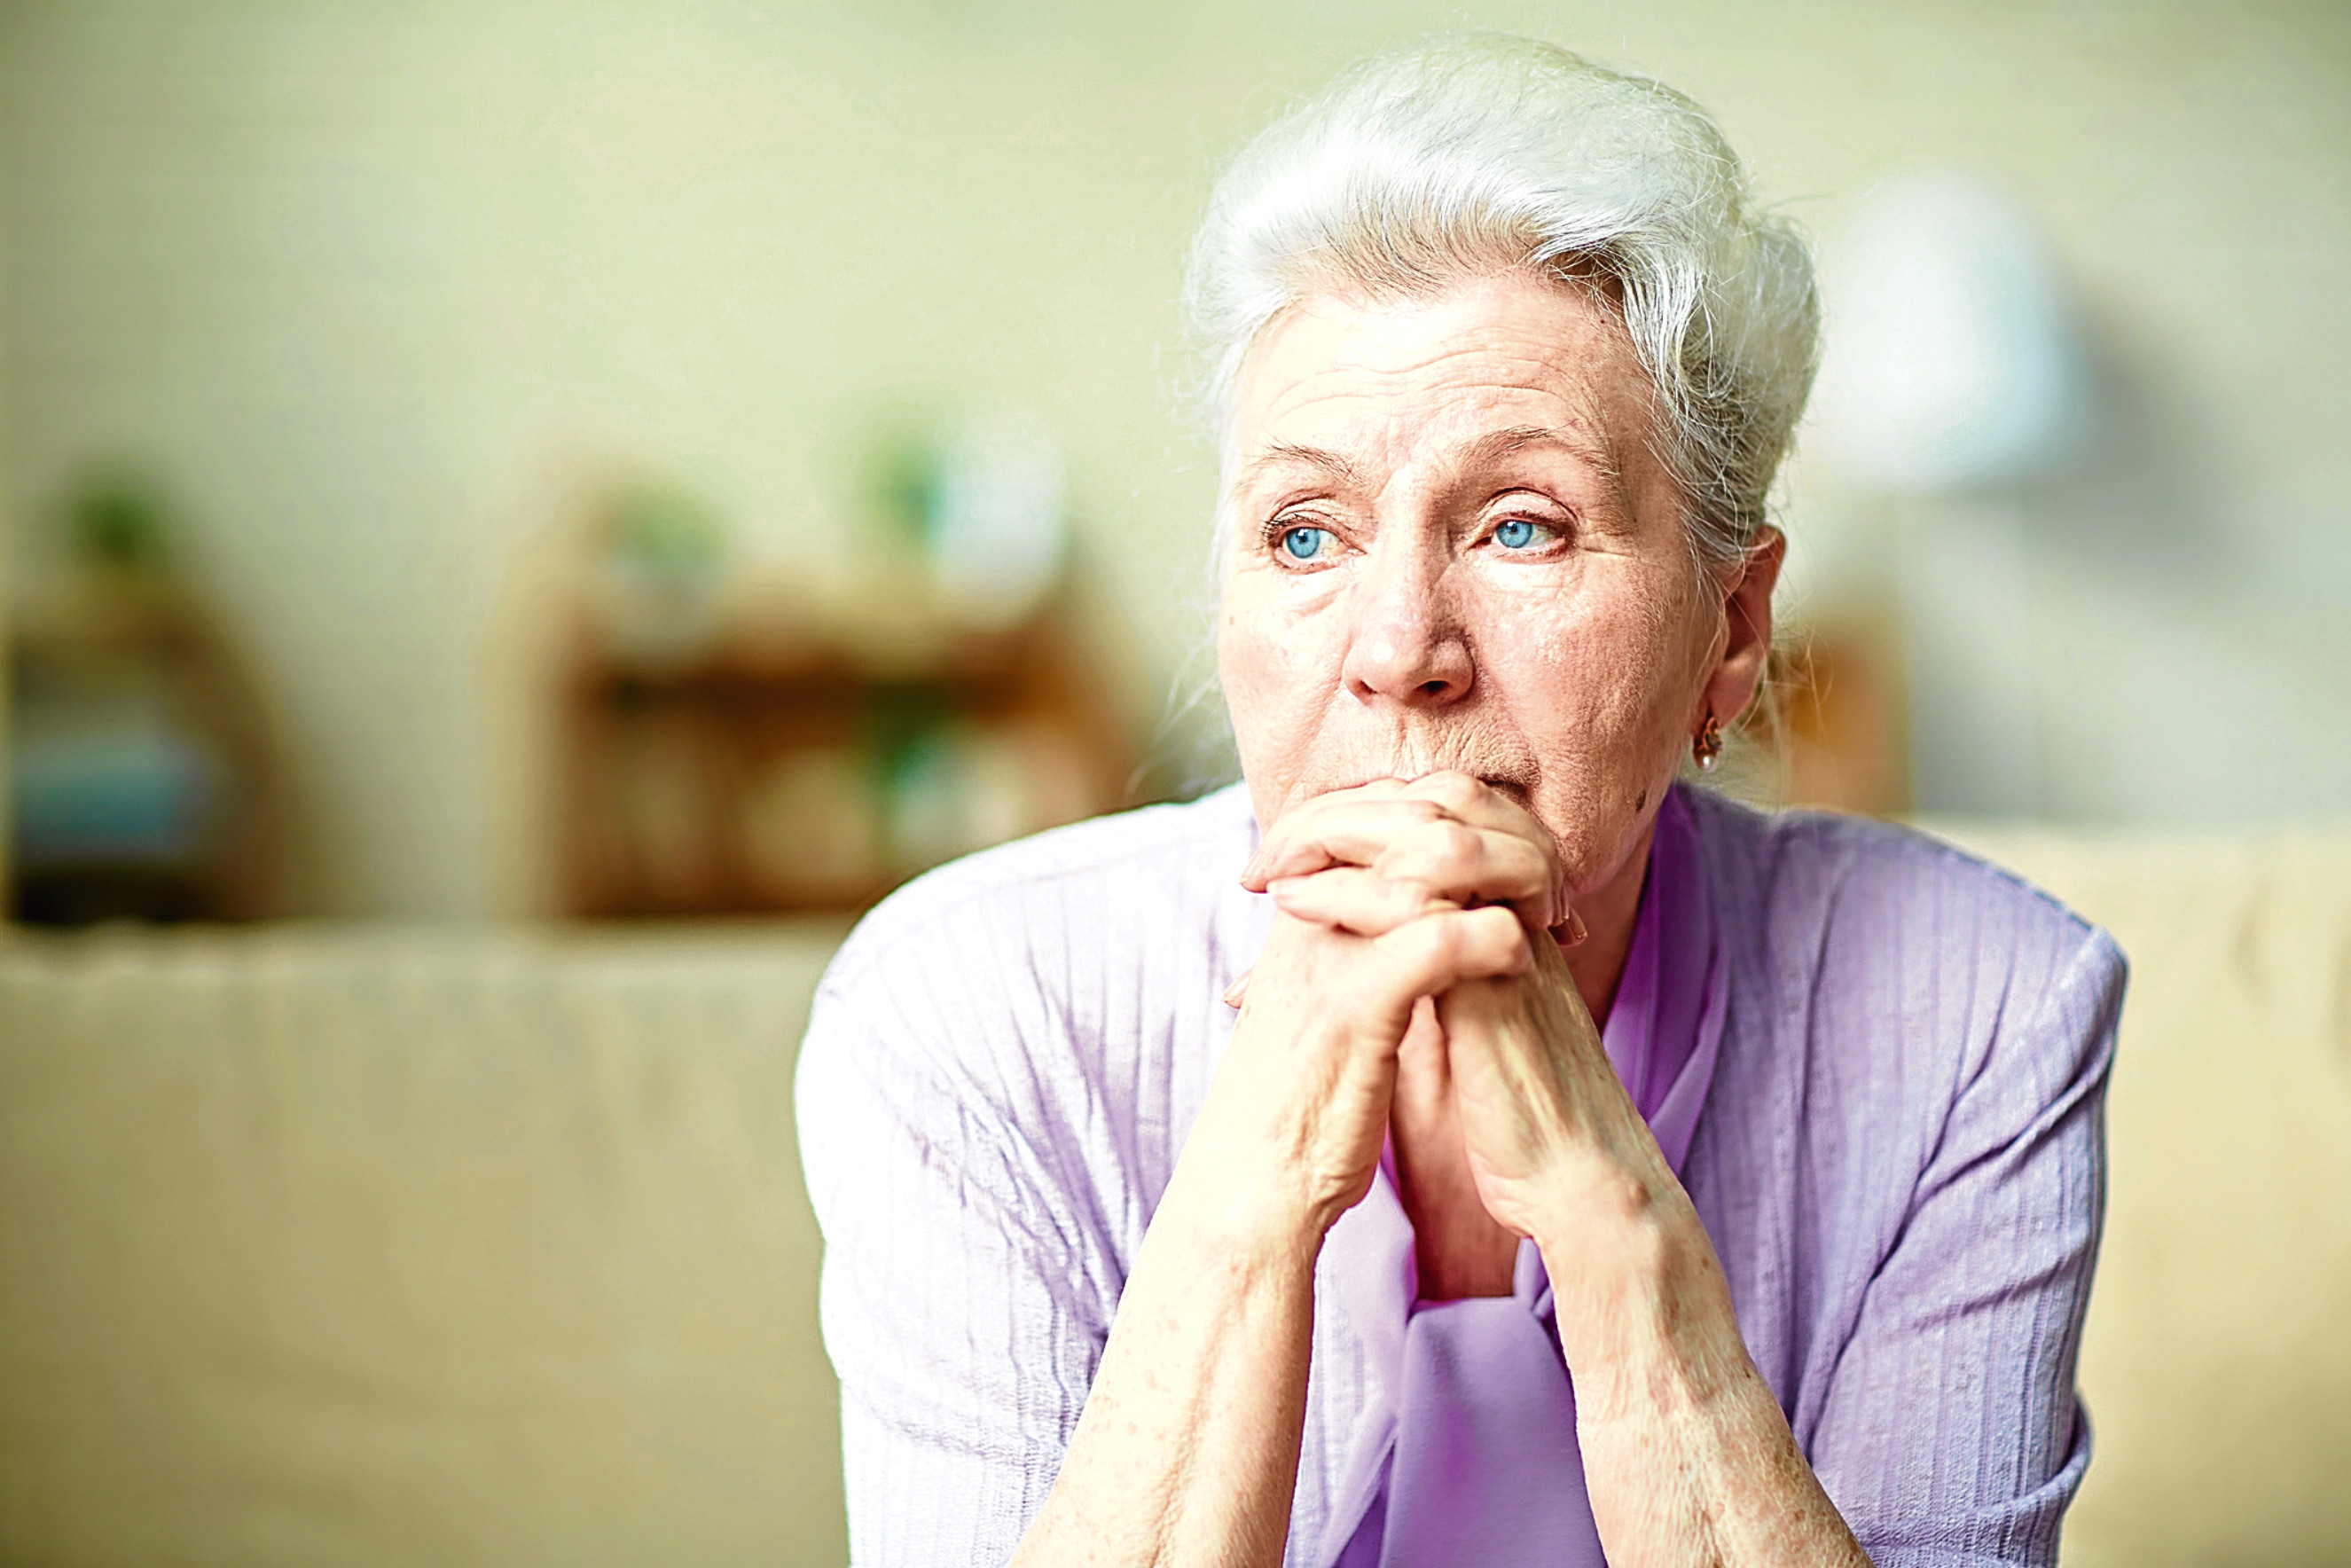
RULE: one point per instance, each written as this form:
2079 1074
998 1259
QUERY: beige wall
381 289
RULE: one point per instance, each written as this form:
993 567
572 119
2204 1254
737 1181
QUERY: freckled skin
1573 673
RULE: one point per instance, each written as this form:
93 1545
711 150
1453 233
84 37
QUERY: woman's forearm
1187 1450
1687 1458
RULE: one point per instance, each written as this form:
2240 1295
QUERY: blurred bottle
144 782
659 577
962 787
983 498
998 523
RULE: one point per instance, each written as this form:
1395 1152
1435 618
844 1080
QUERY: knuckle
1422 809
1431 940
1447 938
1450 787
1498 932
1408 893
1458 842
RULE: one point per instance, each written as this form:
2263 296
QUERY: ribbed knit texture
1901 1164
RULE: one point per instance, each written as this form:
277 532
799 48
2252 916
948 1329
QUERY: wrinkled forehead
1370 388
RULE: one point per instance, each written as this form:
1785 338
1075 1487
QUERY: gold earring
1708 746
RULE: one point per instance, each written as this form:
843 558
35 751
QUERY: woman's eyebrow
1594 452
1281 454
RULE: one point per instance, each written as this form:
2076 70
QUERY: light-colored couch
387 1248
339 1246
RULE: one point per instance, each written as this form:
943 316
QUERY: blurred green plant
666 534
120 524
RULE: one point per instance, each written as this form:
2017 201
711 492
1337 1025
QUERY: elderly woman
1462 1143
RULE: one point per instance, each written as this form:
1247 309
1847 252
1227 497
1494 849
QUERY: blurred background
551 414
465 464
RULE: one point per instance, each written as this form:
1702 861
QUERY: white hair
1472 156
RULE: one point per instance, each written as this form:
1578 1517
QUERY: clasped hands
1412 985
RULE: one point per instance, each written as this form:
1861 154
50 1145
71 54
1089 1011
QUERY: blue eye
1518 533
1305 543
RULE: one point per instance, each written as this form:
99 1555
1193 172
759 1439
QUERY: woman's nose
1405 644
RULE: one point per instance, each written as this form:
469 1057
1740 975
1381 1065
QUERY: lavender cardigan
1900 1161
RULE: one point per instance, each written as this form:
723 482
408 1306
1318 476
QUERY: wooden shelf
772 774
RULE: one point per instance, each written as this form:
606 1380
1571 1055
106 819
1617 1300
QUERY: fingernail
1237 990
1575 931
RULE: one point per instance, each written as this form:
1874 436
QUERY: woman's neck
1610 912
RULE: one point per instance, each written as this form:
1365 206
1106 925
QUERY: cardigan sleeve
1953 1436
961 1296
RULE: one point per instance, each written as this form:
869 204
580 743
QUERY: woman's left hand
1663 1381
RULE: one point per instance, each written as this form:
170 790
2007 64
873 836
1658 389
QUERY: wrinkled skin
1466 645
1570 672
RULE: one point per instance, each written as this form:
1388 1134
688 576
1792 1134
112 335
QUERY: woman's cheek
1589 660
1264 660
1249 652
1590 692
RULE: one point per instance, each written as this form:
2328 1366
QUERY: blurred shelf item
143 780
771 774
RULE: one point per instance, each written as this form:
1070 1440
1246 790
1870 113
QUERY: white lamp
1950 362
1952 372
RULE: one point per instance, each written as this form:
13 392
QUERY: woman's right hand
1291 1133
1188 1449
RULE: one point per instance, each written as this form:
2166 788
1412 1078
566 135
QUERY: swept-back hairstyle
1471 156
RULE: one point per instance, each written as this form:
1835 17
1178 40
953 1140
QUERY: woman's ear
1745 592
